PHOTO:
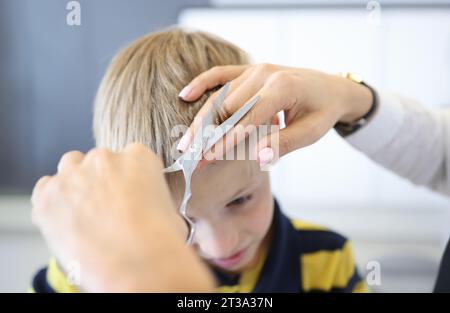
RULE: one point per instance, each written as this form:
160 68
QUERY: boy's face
232 207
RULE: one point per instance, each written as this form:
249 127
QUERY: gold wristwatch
345 129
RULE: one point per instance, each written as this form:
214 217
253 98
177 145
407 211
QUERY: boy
241 233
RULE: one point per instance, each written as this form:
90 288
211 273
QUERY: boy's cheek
262 213
258 224
260 219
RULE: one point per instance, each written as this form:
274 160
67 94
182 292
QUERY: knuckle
99 154
136 147
140 150
46 188
265 68
69 156
281 79
43 180
38 189
137 151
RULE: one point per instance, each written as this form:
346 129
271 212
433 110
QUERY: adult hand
112 214
312 102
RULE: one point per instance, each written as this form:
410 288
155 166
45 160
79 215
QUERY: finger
301 133
244 89
187 138
276 95
37 190
213 77
70 159
196 124
261 113
235 86
98 160
141 152
137 149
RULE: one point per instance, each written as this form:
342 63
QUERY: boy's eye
240 200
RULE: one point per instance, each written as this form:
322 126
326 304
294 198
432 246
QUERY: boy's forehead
223 180
226 172
219 179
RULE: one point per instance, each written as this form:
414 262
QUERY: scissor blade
173 168
230 122
218 102
209 118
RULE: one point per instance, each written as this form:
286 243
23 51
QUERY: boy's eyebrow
241 190
238 193
250 183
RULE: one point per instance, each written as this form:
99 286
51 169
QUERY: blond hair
137 100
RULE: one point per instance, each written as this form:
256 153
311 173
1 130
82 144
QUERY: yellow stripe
229 289
57 279
249 278
301 225
325 270
360 287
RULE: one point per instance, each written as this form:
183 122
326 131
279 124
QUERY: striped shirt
302 257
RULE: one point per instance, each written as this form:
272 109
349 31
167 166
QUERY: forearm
410 140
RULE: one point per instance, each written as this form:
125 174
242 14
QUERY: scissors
189 160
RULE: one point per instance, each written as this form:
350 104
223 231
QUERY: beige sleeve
410 140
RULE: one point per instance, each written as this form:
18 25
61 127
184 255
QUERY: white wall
22 250
400 225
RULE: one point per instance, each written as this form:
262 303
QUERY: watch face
353 77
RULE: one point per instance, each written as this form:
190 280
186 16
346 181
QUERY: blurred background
50 72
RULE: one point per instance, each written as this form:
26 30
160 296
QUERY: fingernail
209 156
202 164
184 141
185 92
265 156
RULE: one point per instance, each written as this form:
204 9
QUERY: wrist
357 102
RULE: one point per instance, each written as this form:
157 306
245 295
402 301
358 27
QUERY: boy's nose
216 241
